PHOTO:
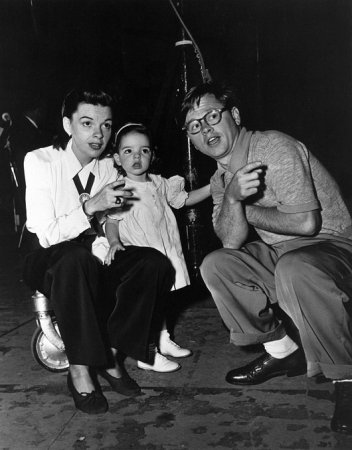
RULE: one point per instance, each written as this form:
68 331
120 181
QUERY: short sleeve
290 178
175 191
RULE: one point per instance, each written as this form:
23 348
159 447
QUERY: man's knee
207 266
220 261
295 265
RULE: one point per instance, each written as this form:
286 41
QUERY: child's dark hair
135 128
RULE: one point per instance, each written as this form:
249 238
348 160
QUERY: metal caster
47 346
46 354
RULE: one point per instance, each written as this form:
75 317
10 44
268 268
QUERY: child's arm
198 195
113 237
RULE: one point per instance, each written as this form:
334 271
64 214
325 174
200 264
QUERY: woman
102 312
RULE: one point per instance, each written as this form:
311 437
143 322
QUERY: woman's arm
43 218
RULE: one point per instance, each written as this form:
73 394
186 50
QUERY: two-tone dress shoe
342 418
266 367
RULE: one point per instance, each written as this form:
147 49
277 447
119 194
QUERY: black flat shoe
266 367
124 385
341 421
89 403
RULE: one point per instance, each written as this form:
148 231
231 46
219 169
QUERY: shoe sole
289 374
173 356
160 371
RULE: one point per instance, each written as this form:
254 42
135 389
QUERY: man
103 312
303 261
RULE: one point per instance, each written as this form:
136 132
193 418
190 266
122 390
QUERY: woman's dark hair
134 128
92 96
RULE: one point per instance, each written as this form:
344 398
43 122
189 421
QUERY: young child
149 221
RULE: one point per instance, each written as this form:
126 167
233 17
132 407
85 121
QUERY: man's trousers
309 278
97 306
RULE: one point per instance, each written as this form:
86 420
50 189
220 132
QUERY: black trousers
98 307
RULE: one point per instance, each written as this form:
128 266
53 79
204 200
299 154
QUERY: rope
204 71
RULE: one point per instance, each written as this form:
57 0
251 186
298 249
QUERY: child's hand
114 247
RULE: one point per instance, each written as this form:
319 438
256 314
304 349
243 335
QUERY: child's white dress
150 222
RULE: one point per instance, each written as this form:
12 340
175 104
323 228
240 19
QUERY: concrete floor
193 408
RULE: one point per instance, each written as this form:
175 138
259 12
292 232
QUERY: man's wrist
233 200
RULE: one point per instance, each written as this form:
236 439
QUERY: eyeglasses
210 118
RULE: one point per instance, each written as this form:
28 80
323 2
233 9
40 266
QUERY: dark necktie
84 195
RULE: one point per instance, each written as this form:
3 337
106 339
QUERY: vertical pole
192 215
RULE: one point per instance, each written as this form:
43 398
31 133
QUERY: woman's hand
111 196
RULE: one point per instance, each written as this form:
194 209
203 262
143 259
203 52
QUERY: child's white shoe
161 364
168 347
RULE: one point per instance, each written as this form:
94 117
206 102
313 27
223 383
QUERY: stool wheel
46 354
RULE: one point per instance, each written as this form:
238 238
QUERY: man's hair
223 93
91 95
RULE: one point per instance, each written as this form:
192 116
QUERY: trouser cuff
331 371
252 339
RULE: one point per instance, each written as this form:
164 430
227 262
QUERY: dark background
290 60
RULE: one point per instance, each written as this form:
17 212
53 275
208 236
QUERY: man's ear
66 125
236 115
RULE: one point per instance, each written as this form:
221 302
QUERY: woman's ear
66 123
236 115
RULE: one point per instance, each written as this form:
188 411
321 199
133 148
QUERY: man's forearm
231 226
270 219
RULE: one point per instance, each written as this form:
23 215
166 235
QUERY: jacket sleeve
42 218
